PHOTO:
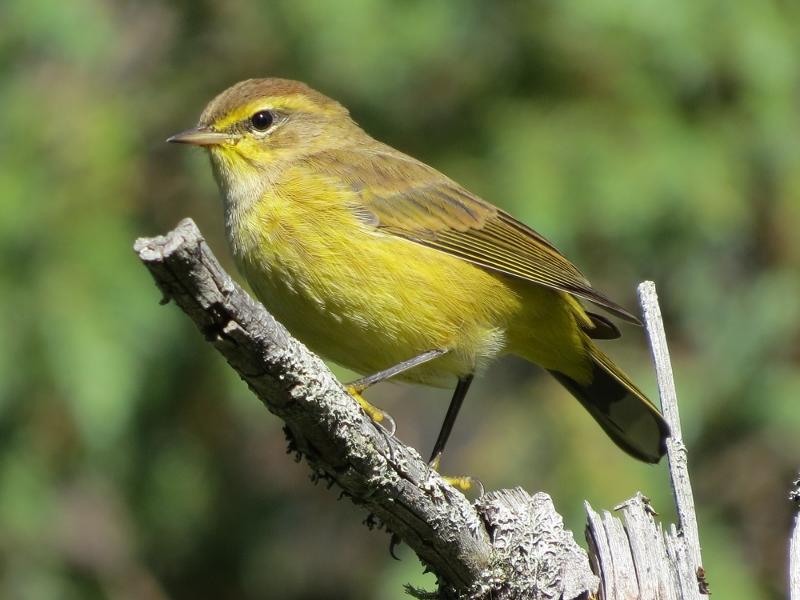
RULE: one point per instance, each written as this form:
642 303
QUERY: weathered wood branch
506 545
676 449
634 556
794 560
794 544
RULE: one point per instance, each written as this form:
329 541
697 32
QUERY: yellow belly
378 301
369 300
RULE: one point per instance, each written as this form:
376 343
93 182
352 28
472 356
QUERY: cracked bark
506 545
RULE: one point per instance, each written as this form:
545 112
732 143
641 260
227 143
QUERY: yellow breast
362 298
369 300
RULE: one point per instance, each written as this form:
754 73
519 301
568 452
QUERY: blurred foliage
647 139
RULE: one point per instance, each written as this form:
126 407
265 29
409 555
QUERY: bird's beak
200 136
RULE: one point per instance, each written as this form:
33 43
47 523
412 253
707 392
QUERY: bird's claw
389 425
380 417
465 483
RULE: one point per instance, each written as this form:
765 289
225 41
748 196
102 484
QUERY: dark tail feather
621 409
602 328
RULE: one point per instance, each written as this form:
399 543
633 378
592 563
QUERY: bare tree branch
507 545
794 544
634 556
676 449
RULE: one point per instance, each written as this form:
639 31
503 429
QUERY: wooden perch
507 545
635 557
794 560
676 449
794 544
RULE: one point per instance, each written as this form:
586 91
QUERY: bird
384 265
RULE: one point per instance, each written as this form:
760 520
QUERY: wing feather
438 213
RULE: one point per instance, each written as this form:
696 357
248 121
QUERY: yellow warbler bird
385 265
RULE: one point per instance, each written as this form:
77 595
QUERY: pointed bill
200 136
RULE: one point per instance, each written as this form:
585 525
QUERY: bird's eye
262 120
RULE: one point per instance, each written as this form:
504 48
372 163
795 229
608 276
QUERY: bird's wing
404 197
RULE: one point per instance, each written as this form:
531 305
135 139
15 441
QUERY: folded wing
436 212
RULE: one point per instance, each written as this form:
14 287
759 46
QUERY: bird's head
258 123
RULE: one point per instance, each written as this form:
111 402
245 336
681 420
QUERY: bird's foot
373 412
463 483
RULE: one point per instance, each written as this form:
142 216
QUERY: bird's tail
621 409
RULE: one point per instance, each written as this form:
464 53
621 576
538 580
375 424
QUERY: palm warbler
384 265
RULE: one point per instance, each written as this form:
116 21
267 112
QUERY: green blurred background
649 140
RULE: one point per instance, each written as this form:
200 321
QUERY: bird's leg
449 419
463 483
357 387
